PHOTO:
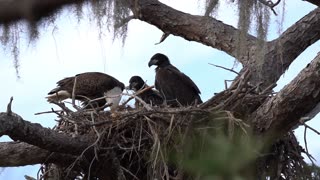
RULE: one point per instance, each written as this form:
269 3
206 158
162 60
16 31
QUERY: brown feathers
89 85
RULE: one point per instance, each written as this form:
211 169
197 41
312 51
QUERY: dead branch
270 4
74 94
226 84
228 69
145 105
163 37
9 111
306 146
18 129
48 112
135 95
29 177
63 107
303 122
20 154
278 114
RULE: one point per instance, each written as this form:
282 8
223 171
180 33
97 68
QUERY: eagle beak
152 62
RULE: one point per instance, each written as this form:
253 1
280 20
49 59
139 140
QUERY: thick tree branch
281 52
20 154
203 29
282 112
213 33
18 129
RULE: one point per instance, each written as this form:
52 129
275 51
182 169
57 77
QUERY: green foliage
221 149
216 156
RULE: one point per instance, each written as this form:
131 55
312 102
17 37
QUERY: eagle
149 96
176 88
89 86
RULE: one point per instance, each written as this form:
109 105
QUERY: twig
303 120
63 107
147 106
242 81
90 102
126 170
228 69
270 4
140 91
98 136
47 112
225 83
29 177
163 37
74 94
9 110
306 146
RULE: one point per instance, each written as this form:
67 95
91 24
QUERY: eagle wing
91 85
175 85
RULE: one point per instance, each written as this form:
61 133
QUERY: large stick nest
181 143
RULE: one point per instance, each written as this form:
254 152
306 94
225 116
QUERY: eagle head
136 83
159 60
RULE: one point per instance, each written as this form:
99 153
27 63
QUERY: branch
270 4
9 110
163 37
228 69
32 133
283 112
281 52
14 154
202 29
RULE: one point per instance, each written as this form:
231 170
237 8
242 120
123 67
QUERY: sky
70 48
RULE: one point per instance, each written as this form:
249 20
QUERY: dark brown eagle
149 96
89 86
176 88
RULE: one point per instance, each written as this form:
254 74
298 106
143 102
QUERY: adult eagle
149 96
176 88
89 85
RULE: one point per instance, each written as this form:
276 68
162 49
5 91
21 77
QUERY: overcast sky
74 47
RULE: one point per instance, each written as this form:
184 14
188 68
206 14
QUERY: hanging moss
112 16
210 7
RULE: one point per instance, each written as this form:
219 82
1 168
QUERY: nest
169 143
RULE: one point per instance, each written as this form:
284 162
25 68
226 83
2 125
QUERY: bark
50 141
32 133
203 29
268 67
20 154
281 52
282 112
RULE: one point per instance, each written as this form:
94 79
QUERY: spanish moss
211 6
